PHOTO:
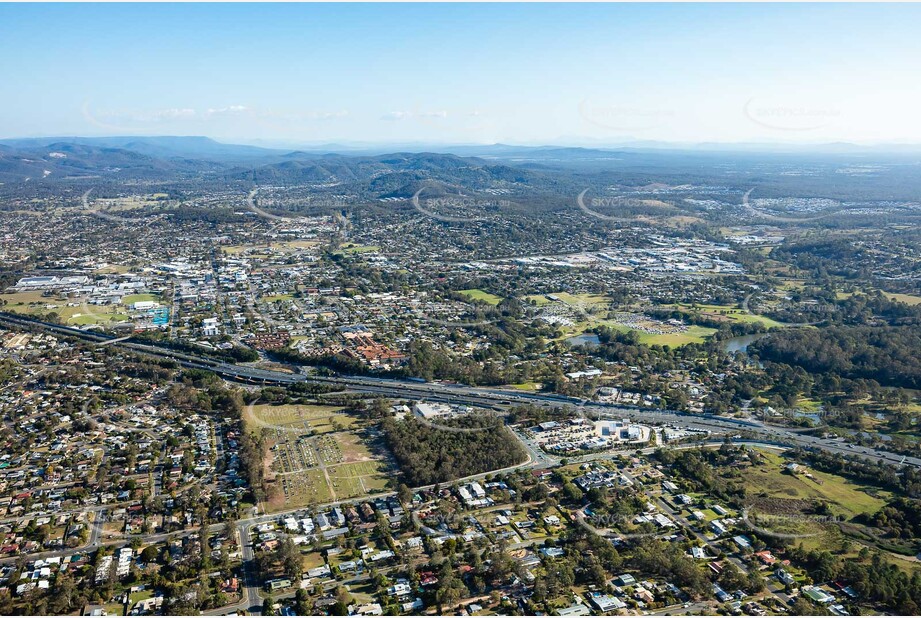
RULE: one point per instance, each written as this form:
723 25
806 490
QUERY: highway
473 396
491 398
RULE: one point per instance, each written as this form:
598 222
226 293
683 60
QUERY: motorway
473 396
496 399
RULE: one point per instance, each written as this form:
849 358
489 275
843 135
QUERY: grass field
792 284
297 244
237 249
728 313
573 300
904 298
313 559
139 298
352 248
526 386
33 303
581 300
694 334
110 269
594 303
276 297
486 297
100 315
319 419
909 299
844 497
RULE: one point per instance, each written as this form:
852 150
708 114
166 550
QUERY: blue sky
514 73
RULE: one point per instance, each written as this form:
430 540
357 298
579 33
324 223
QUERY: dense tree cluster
873 578
901 518
699 467
464 446
888 354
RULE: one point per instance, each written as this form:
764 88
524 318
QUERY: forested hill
886 354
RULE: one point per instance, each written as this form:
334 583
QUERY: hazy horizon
359 146
459 74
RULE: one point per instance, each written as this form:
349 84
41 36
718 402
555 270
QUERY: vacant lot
845 498
313 419
352 248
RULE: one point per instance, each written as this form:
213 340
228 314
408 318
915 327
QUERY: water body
588 339
740 344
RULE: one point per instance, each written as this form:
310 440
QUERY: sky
573 74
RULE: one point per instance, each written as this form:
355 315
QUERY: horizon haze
579 75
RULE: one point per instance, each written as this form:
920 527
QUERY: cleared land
350 248
843 497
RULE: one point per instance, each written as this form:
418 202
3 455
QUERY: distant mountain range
47 160
160 147
41 161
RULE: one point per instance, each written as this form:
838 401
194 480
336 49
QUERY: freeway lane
455 393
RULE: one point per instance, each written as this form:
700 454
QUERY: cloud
343 113
405 115
396 116
231 109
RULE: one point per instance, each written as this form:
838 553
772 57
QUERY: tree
404 493
302 603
